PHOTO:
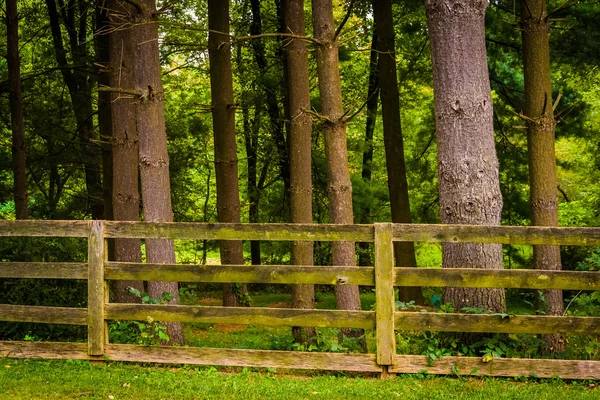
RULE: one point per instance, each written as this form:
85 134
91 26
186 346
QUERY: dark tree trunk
270 90
153 156
223 109
300 131
541 124
19 148
125 147
392 137
467 163
364 252
79 82
101 42
339 187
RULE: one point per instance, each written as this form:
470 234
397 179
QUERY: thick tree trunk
535 28
467 163
125 147
300 132
339 187
364 252
223 109
153 156
19 148
392 138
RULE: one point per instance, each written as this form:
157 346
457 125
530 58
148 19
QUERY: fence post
384 295
96 290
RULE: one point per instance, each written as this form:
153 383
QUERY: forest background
64 138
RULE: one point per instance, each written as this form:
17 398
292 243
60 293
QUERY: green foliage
146 333
591 263
43 292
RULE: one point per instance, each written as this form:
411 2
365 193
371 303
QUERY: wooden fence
385 320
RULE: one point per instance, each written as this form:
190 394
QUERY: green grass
81 380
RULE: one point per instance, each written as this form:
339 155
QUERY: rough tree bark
339 187
541 124
299 139
364 217
19 147
223 110
125 147
404 252
153 156
467 162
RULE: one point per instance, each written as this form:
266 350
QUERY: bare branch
346 17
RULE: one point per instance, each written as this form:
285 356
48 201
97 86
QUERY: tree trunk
125 147
270 90
223 110
300 132
364 252
339 187
535 28
102 44
392 138
19 148
153 156
467 163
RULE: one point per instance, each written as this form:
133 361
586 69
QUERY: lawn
33 379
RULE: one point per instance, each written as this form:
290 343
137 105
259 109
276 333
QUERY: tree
124 140
339 187
541 124
19 147
223 111
404 252
467 163
80 80
364 254
102 44
300 131
153 156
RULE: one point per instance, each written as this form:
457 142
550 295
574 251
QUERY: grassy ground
81 380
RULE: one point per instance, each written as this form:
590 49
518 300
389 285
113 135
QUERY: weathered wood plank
384 294
509 367
497 234
41 270
292 274
46 350
490 278
565 369
96 256
43 315
244 358
242 315
422 321
223 231
191 355
45 228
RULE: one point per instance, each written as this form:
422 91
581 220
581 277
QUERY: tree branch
346 17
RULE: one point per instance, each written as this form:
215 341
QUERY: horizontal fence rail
292 274
243 315
384 276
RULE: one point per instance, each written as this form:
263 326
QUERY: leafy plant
146 333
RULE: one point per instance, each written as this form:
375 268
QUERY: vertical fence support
96 292
384 295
